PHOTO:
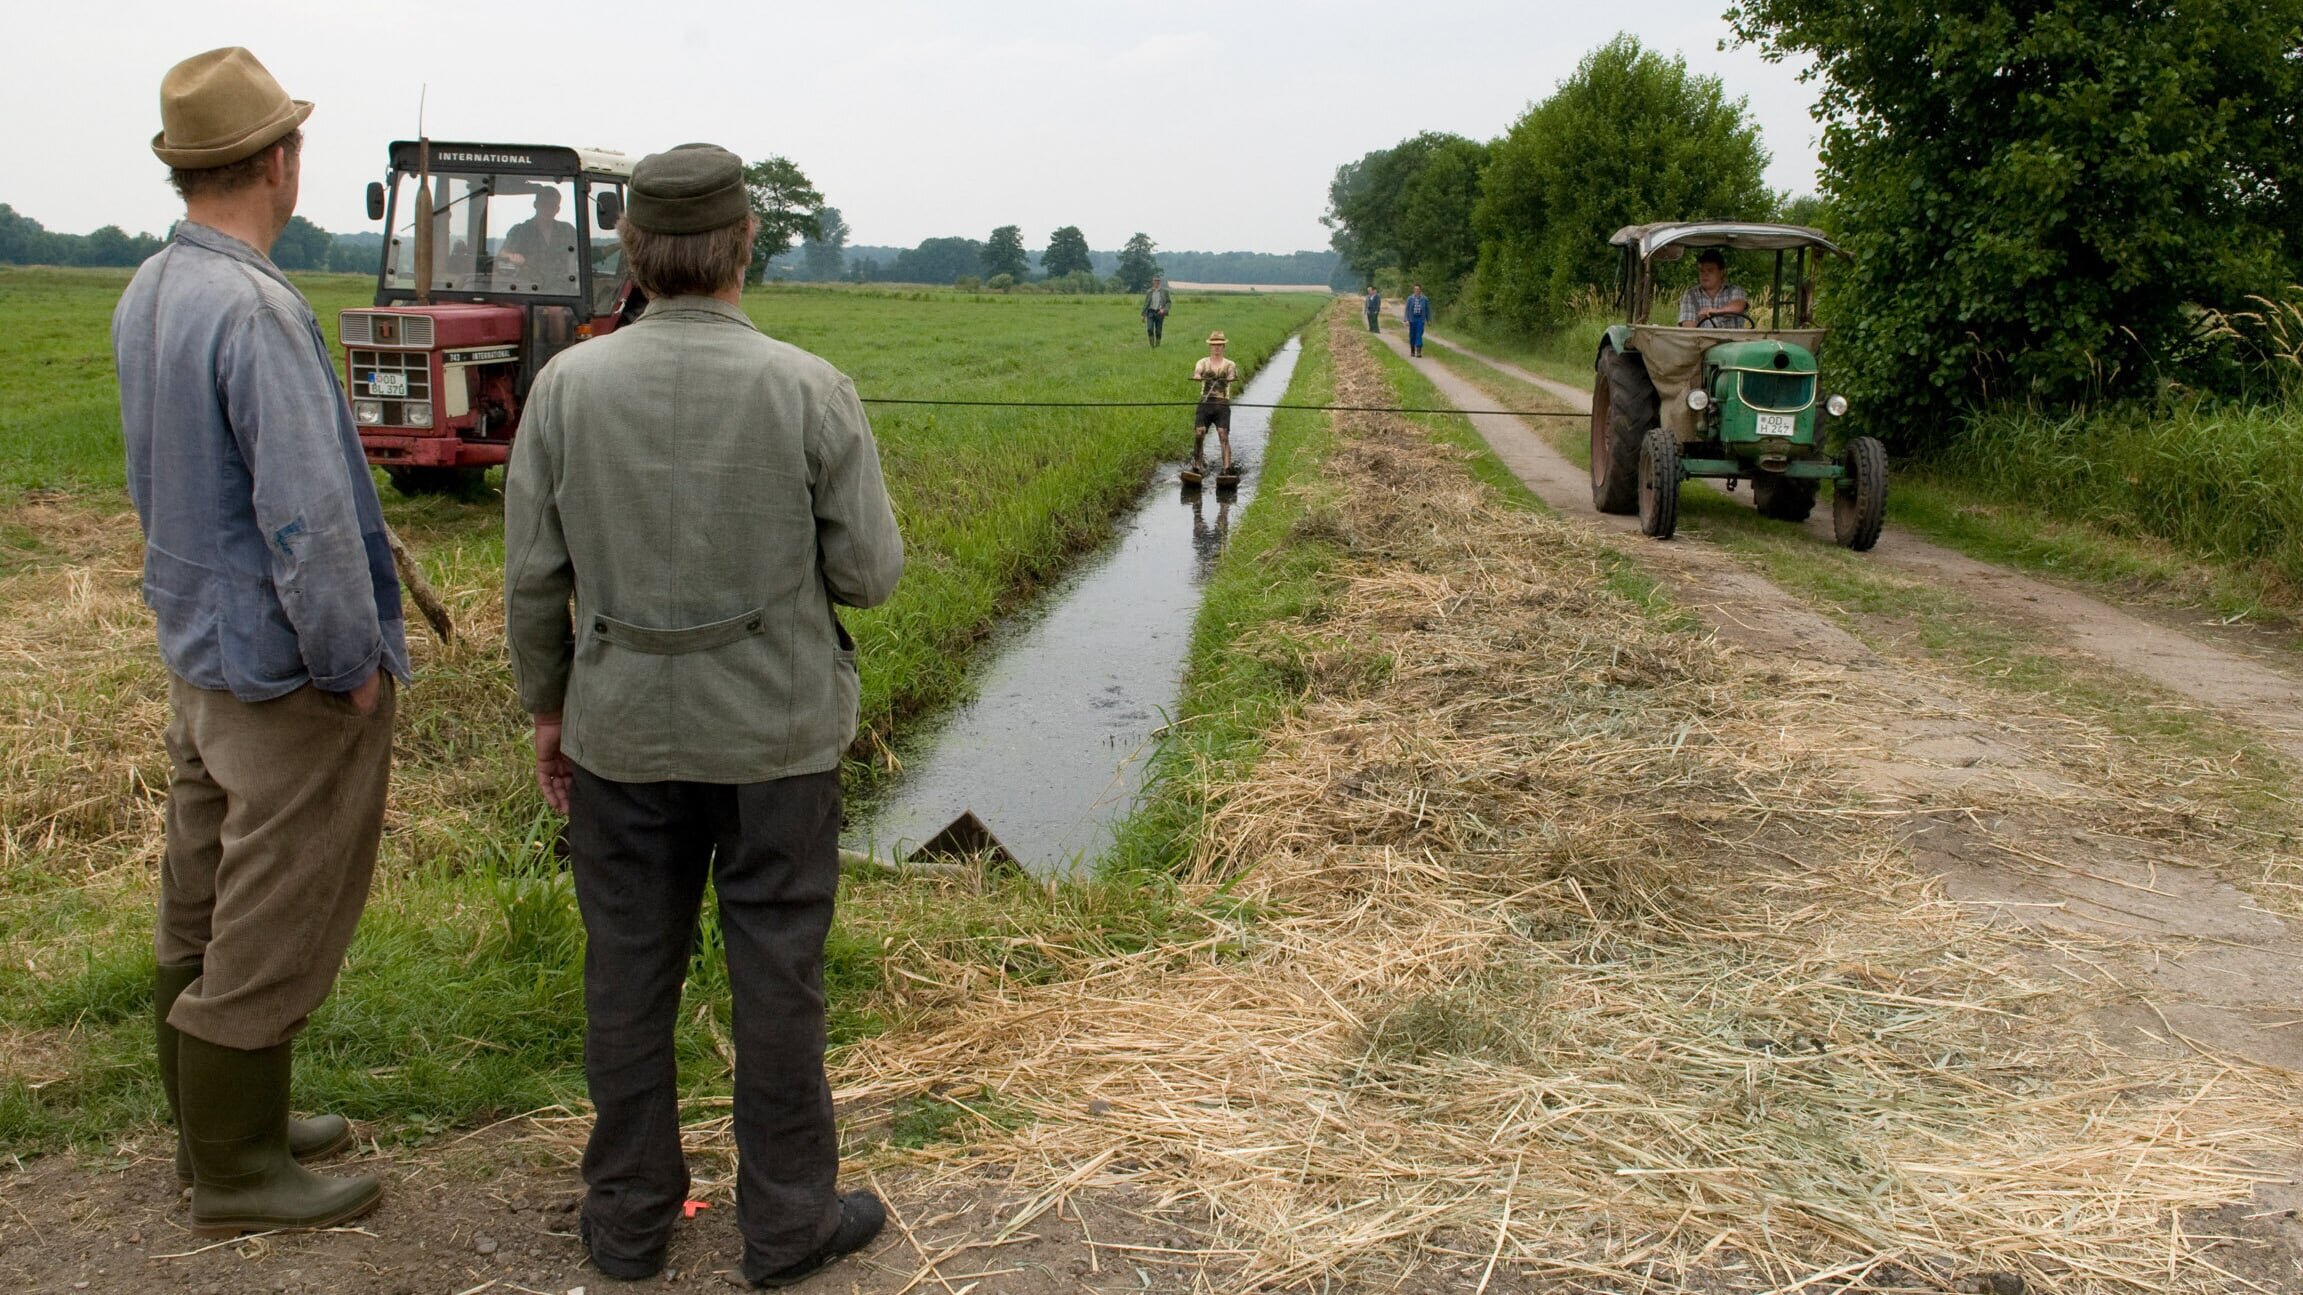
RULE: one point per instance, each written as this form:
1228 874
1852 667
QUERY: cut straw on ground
1577 956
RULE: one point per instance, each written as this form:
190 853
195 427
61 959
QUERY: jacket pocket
679 642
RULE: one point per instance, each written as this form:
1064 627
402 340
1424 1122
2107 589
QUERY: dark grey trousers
641 854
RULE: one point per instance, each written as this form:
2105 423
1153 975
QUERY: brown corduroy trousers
274 812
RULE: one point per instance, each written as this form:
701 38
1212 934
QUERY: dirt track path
2194 961
2241 689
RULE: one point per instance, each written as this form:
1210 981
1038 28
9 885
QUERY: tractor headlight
1836 406
368 413
1699 400
415 415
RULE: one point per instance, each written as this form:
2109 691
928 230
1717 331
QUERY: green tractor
1721 396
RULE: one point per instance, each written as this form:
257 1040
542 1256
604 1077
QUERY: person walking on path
1215 375
278 615
1417 312
1374 306
1155 309
706 497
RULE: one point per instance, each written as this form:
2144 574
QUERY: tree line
302 246
2050 202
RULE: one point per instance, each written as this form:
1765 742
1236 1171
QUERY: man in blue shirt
1417 311
278 611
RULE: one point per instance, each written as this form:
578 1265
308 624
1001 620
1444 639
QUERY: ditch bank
1053 749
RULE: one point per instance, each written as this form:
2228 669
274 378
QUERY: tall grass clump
2221 479
1563 353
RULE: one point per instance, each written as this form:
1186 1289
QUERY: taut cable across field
1237 404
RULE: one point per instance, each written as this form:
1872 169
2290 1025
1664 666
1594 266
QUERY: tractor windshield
490 234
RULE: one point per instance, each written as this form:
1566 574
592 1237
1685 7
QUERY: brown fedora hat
222 107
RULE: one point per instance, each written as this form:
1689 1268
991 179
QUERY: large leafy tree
1136 264
2037 190
1004 253
823 255
302 246
1437 243
1067 252
1630 137
1367 198
785 204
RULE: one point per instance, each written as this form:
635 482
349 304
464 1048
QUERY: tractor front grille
1776 393
400 380
383 328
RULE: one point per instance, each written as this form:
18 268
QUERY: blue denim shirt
265 561
1418 308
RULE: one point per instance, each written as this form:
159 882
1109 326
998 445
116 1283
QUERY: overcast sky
1210 126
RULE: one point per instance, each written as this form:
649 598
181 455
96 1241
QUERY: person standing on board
1374 304
1155 309
1417 311
1214 374
706 498
278 609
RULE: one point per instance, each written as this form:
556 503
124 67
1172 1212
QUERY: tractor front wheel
1786 499
1659 483
1859 499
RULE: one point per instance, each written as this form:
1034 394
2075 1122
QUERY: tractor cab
1739 400
496 257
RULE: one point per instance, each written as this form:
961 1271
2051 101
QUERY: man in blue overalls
1417 311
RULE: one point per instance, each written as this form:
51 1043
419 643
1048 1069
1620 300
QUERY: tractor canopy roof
535 159
1669 240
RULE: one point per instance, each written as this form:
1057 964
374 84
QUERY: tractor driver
541 249
1713 302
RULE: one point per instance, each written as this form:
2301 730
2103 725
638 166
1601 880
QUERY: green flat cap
688 190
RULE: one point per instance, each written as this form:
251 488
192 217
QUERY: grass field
461 997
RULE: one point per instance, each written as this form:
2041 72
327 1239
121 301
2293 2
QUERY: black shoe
861 1217
631 1270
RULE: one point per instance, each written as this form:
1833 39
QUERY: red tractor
517 261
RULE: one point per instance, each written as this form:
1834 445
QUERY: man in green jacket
1155 309
703 496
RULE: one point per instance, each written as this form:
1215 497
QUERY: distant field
472 933
991 500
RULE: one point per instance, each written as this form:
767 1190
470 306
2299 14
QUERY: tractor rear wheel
1659 483
1622 409
1787 499
1859 499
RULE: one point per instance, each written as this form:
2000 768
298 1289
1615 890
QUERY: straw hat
1215 338
222 107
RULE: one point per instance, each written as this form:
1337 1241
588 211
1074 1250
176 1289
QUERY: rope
1237 404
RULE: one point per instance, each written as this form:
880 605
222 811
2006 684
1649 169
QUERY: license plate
1777 425
396 384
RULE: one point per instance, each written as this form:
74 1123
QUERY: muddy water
1051 753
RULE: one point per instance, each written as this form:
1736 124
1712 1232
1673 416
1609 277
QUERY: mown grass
461 1000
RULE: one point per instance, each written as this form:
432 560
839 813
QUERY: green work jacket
686 501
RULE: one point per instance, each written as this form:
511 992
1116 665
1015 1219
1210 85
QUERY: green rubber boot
307 1139
233 1106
